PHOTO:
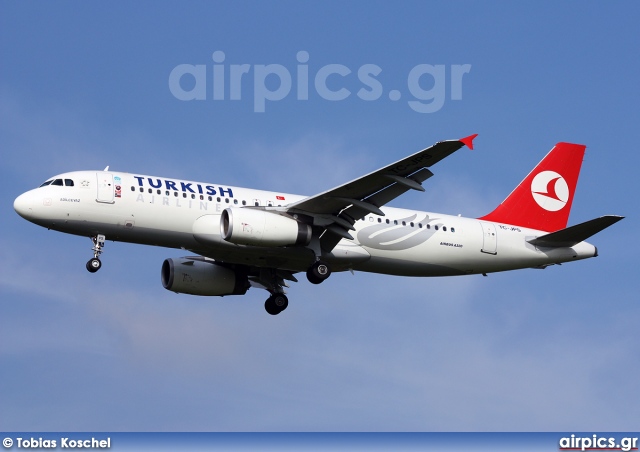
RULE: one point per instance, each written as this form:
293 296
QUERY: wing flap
575 234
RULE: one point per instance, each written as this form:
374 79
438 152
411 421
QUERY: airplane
246 238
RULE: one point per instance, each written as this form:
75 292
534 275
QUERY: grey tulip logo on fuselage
398 234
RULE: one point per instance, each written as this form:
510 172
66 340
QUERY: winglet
468 141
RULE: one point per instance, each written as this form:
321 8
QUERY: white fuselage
183 214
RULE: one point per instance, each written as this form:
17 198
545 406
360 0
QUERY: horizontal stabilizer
575 234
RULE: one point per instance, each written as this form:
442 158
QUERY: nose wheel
98 244
94 265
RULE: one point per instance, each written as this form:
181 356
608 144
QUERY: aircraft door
489 238
106 190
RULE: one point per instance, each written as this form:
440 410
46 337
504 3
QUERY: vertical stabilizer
543 199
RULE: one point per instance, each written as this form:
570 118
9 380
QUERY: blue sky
84 85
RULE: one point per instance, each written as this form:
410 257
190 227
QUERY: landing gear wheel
280 301
318 272
275 304
270 307
94 265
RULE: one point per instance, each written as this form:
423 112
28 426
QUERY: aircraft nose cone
23 205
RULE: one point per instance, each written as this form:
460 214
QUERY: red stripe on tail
543 199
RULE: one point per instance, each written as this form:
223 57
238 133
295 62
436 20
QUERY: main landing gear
274 282
94 264
276 303
318 272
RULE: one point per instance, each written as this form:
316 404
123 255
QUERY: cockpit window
46 183
68 183
57 182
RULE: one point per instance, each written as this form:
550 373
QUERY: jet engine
244 226
194 276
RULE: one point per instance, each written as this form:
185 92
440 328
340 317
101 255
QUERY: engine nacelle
197 277
262 228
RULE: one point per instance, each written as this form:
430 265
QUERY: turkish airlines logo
550 190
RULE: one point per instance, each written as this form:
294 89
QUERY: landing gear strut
276 303
274 282
94 264
318 272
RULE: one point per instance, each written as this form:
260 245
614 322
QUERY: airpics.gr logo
307 81
550 190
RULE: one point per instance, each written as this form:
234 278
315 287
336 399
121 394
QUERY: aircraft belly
399 267
295 259
139 234
346 255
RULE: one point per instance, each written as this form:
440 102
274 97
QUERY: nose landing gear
94 264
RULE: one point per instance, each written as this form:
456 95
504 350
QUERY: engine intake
244 226
197 277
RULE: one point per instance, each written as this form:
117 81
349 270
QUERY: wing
335 211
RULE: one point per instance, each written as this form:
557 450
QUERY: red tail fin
543 199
